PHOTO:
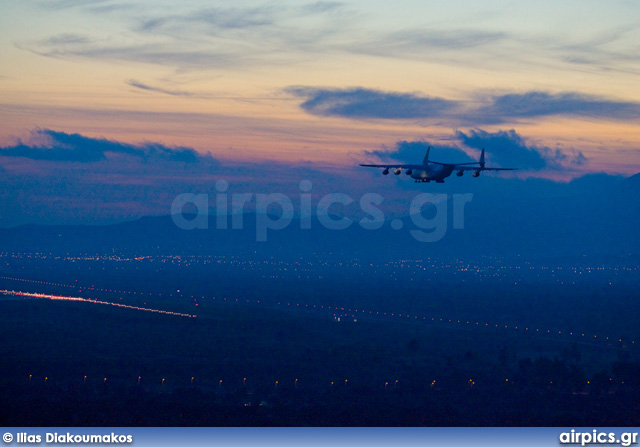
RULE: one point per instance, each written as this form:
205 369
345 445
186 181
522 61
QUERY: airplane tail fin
482 159
426 156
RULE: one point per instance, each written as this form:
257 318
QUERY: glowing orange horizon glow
74 70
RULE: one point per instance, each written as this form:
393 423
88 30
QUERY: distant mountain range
594 220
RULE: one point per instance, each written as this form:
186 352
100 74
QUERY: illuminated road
85 300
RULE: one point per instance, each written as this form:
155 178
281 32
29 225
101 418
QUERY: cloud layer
508 148
200 36
367 103
362 103
537 104
60 146
317 27
150 88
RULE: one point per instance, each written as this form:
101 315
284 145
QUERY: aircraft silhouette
434 170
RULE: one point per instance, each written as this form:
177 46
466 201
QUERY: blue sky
550 86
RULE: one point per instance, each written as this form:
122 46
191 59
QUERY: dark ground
447 373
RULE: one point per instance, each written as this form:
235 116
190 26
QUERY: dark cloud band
366 103
150 88
362 103
61 146
537 104
508 148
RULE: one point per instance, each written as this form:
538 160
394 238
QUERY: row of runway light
354 313
335 383
76 286
345 312
276 383
86 300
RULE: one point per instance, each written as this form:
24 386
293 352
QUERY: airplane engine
397 171
460 173
385 172
409 172
476 174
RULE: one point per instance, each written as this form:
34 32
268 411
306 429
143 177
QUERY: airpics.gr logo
598 438
231 207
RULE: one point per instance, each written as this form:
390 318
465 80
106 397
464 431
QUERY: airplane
434 170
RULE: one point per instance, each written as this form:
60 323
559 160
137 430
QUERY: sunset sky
321 84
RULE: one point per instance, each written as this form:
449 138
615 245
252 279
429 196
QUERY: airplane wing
454 164
478 168
395 166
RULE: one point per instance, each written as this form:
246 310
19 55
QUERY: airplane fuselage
432 172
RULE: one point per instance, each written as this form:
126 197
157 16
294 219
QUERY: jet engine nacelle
460 173
397 171
476 174
409 171
385 172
